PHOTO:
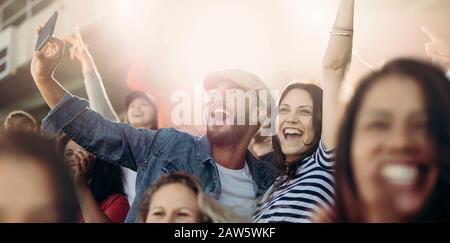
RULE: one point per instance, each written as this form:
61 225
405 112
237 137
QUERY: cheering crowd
385 158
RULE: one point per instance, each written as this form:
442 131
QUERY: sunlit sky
180 41
279 40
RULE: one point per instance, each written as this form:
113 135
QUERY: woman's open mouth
291 134
402 174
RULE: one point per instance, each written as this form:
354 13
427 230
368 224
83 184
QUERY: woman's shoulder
115 198
115 207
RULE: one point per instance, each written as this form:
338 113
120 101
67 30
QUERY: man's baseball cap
244 80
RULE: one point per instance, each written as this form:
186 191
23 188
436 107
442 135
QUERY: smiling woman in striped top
306 125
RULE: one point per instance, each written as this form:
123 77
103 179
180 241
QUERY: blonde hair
210 211
216 213
17 119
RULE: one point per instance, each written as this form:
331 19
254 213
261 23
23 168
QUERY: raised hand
324 216
79 49
46 60
437 49
335 64
82 162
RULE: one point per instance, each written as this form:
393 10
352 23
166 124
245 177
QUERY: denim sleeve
110 141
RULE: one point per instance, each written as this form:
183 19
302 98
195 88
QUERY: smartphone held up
47 32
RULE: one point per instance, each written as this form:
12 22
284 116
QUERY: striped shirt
298 199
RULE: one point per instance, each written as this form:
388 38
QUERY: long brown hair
316 95
104 178
287 171
436 89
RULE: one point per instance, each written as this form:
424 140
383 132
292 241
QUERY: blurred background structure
164 45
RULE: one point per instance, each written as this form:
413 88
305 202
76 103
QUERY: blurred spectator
141 108
393 150
141 113
35 186
95 89
98 185
178 198
20 120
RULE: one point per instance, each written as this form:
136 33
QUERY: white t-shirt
129 184
238 192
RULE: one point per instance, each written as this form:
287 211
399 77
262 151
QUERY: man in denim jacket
221 160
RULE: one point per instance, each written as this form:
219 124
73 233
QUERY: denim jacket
151 153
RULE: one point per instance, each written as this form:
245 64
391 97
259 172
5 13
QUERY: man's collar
203 150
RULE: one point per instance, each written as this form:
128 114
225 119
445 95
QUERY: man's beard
225 137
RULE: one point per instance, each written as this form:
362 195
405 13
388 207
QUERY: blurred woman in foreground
35 186
393 151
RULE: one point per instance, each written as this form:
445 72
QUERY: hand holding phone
49 51
46 32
